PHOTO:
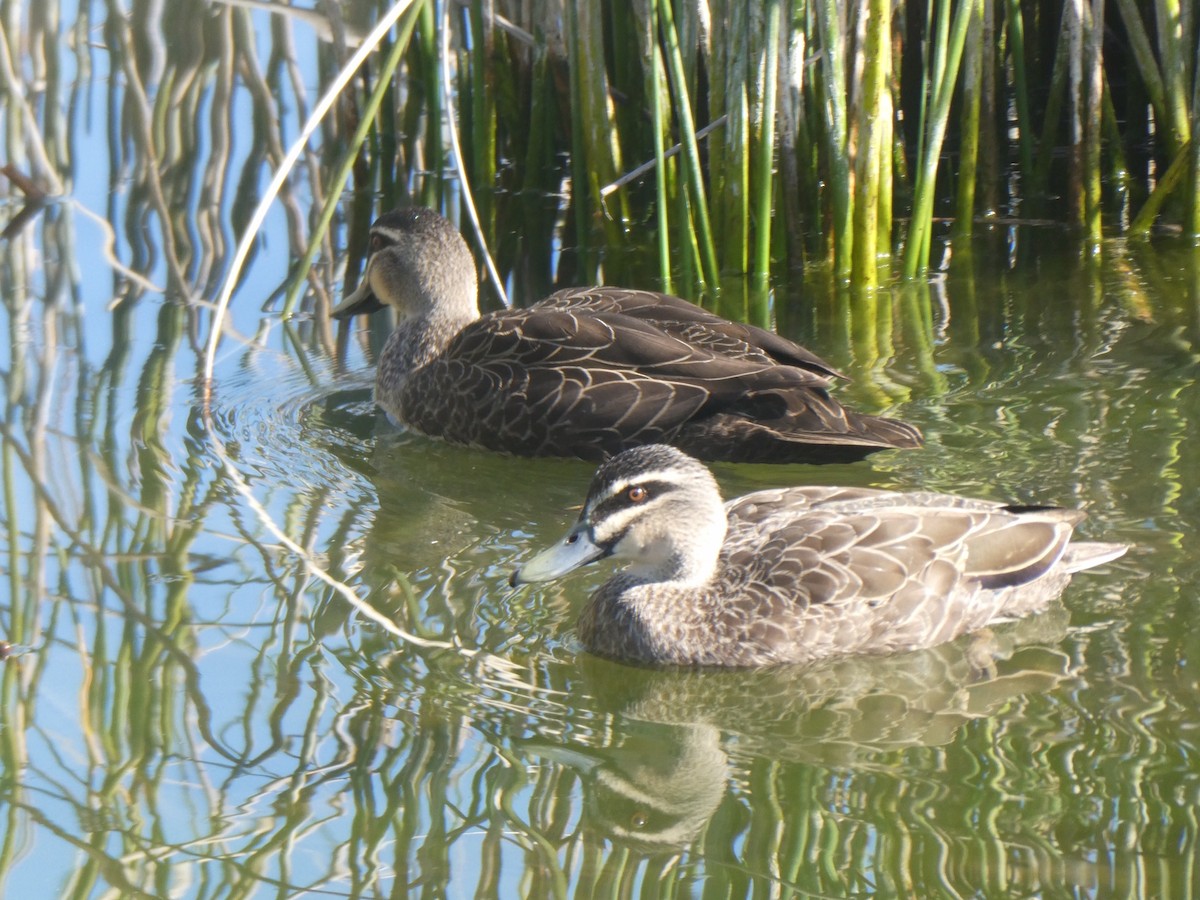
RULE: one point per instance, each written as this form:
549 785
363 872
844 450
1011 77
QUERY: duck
589 372
800 574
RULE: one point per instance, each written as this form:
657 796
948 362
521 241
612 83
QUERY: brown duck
799 574
589 372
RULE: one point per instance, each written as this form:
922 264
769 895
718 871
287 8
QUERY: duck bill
575 550
362 301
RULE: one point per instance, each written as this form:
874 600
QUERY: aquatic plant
858 130
187 707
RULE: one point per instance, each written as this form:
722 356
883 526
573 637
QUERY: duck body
796 575
590 372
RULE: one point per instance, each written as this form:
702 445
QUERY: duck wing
692 324
575 381
547 382
766 418
847 569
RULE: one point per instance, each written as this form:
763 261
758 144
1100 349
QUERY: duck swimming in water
795 575
589 372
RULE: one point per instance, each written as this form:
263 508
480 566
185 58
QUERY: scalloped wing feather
693 324
900 558
596 384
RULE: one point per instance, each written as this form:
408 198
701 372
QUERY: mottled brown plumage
592 371
794 575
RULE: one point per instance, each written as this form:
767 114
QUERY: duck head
653 506
419 265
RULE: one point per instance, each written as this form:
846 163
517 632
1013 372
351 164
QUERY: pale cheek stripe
618 522
392 234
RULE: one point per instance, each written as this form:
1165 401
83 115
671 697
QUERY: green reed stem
887 153
431 140
1143 56
483 115
1171 179
873 142
937 30
689 259
1193 200
579 178
972 101
795 197
1016 42
833 64
1074 23
710 271
946 63
765 161
1119 167
341 174
1093 115
599 150
1175 67
733 47
661 209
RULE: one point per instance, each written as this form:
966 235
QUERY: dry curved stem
16 90
109 250
311 566
490 660
260 212
650 165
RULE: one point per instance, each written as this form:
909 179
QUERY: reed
832 43
941 78
657 77
349 156
232 721
873 130
763 170
700 227
971 106
808 108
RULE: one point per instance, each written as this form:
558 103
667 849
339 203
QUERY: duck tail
1078 557
886 432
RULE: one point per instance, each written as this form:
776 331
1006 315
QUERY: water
190 710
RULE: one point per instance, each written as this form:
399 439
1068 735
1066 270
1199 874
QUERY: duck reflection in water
675 740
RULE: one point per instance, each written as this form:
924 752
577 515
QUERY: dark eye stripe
654 490
381 239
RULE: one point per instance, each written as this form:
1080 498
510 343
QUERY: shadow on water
186 708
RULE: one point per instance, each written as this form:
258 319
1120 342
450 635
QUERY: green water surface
192 707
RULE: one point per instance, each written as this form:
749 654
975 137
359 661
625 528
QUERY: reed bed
133 561
707 142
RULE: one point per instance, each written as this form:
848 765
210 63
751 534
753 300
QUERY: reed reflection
188 707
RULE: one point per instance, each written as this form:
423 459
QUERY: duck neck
418 340
689 569
690 563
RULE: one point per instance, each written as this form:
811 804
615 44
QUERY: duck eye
637 494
